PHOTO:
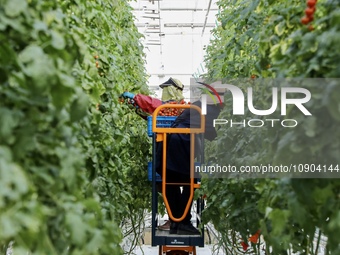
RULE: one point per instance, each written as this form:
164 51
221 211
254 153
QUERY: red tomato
310 11
305 20
244 246
311 3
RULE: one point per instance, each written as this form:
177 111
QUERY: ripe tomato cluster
172 111
98 66
254 239
97 62
309 11
121 100
128 101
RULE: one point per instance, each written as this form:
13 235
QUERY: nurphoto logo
238 107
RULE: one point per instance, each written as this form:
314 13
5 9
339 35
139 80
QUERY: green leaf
7 54
9 120
77 228
30 53
331 100
322 195
310 125
61 95
5 153
280 28
14 7
335 222
279 219
79 107
96 241
58 41
37 65
9 226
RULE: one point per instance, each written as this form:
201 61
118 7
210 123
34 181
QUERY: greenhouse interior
169 127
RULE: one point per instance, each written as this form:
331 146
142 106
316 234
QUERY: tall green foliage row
71 173
265 39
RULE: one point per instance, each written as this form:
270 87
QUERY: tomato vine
265 39
71 176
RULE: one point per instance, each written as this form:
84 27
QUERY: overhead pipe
206 17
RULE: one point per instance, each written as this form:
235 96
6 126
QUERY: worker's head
172 90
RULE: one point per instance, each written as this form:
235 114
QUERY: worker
172 90
178 157
178 164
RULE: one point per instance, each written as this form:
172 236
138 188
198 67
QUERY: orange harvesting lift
158 129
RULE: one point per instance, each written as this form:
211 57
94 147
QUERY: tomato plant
265 39
70 175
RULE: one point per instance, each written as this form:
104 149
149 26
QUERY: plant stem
318 243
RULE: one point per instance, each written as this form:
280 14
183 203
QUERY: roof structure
175 34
